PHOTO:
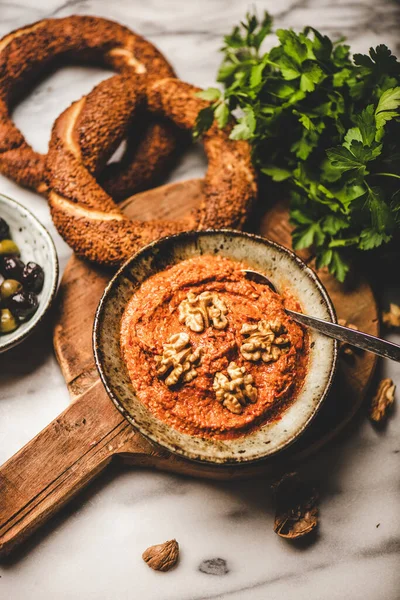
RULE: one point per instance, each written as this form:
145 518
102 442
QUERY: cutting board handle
60 460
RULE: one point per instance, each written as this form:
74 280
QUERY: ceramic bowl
285 270
36 245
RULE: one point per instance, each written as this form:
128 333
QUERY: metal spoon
359 339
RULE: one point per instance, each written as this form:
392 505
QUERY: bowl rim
150 436
42 311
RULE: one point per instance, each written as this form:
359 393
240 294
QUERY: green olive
7 321
9 248
9 287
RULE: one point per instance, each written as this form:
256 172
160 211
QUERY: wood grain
82 441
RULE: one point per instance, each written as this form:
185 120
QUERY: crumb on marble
214 566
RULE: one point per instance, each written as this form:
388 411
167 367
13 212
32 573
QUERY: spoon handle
365 341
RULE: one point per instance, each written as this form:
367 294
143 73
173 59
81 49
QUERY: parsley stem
271 62
387 175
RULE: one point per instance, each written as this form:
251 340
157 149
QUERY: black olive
11 267
4 229
23 305
33 277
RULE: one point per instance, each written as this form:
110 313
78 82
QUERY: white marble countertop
93 549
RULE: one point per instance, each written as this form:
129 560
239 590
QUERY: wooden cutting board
83 440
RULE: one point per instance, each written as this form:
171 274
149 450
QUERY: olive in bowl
18 291
9 248
4 229
8 322
8 288
28 272
33 277
23 305
11 267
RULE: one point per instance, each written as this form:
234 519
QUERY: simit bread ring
85 214
27 53
146 160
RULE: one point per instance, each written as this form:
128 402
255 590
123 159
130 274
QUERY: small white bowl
36 245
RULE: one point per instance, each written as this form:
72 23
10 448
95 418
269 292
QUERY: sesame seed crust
28 53
87 217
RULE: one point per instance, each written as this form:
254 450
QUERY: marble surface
93 549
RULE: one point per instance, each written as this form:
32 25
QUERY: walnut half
162 557
382 400
236 392
199 312
296 507
392 318
177 362
346 349
264 340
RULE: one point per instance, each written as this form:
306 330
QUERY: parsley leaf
380 211
211 94
388 107
204 120
366 124
332 224
292 45
371 238
245 128
380 58
311 75
324 258
276 173
326 123
338 266
343 159
305 237
222 114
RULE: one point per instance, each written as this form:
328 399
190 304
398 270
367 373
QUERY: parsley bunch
325 122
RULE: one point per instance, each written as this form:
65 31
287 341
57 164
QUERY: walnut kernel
392 318
177 362
264 340
199 312
345 348
162 557
383 399
236 392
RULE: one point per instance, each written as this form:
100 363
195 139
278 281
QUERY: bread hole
42 104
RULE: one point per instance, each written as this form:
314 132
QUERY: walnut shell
296 507
162 557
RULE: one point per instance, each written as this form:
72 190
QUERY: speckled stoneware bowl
286 271
36 245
